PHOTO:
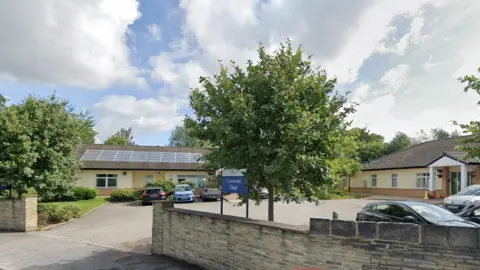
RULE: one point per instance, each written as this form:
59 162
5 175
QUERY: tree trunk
270 203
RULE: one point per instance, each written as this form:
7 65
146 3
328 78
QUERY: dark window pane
383 209
101 175
101 182
112 175
112 182
399 211
154 191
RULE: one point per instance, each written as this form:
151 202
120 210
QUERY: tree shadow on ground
111 259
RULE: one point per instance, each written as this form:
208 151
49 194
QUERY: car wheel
203 199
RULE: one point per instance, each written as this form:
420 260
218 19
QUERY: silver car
463 200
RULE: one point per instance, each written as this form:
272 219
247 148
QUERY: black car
471 214
411 212
153 194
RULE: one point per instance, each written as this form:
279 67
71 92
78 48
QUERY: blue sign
3 187
234 184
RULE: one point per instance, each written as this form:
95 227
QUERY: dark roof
417 156
125 165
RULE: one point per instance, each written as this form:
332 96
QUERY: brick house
408 172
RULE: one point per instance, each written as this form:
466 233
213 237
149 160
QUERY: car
183 193
412 212
264 193
210 194
471 214
463 200
153 194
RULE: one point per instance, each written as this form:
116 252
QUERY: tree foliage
434 134
181 137
399 142
39 138
370 145
122 137
471 145
280 119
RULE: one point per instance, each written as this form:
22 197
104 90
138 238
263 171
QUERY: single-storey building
108 167
433 165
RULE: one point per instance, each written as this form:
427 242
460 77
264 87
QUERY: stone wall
18 215
226 242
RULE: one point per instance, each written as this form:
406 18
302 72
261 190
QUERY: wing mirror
409 219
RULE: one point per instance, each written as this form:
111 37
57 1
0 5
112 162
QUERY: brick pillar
160 225
445 183
31 217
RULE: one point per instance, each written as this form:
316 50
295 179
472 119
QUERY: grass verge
83 205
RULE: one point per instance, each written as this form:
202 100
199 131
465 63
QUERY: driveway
125 226
29 251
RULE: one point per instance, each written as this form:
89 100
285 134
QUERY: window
197 179
399 211
149 178
422 180
374 180
106 181
394 180
382 209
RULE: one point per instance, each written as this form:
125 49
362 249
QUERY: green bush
126 195
55 214
84 193
167 185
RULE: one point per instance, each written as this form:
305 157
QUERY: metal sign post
233 181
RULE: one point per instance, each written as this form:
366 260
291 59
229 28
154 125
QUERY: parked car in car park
210 194
264 193
463 200
412 212
153 194
471 214
183 193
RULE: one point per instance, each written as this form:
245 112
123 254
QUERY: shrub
56 214
168 186
84 193
126 195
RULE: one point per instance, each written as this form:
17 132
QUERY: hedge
126 195
56 214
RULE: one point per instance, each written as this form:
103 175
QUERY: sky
133 63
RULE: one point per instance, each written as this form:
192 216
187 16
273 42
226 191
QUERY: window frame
107 177
394 176
374 176
425 177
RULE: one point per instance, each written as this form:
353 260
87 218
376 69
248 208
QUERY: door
454 182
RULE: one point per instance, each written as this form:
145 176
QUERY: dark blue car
153 194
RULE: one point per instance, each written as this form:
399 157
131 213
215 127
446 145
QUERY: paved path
126 226
32 251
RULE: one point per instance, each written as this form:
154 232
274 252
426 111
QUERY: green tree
471 145
399 142
440 133
86 122
122 137
180 137
280 119
370 145
39 140
3 101
347 163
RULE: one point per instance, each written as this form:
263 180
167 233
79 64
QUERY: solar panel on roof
154 156
123 156
107 155
91 155
139 156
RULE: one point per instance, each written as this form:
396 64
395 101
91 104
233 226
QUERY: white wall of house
88 178
406 179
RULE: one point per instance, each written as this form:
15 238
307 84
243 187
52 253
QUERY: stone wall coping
262 223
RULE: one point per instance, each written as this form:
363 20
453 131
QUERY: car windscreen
470 191
154 191
183 188
434 213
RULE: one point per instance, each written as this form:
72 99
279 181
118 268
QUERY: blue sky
131 63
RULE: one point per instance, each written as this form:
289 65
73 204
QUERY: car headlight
467 202
447 201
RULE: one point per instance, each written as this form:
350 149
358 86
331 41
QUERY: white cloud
395 78
79 43
154 31
143 115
